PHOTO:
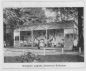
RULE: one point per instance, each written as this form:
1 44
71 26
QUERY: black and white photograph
43 34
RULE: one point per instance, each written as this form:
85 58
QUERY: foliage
32 15
14 17
19 16
65 13
28 57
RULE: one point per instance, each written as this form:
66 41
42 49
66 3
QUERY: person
62 43
53 42
4 44
36 42
75 44
41 43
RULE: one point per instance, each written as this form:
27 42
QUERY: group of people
39 43
51 41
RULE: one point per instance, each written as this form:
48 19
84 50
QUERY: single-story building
45 35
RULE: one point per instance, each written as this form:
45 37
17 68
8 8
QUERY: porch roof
44 26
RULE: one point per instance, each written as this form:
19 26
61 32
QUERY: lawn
47 58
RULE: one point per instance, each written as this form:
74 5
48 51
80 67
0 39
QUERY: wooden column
73 34
46 37
63 42
14 38
62 50
32 36
19 36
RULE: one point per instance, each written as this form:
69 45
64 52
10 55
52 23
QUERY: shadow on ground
47 58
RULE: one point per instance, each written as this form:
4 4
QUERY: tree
75 14
80 28
32 15
10 21
14 17
65 13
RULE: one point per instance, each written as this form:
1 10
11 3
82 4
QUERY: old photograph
43 34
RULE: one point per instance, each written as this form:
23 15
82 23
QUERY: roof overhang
52 25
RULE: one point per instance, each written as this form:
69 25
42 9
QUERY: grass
61 58
47 58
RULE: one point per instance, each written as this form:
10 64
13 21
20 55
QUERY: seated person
36 42
53 42
41 43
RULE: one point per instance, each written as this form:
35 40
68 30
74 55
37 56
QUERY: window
22 38
17 38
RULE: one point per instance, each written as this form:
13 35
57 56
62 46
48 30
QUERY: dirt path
18 52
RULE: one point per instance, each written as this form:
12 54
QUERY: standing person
53 42
4 44
62 43
41 43
36 42
75 42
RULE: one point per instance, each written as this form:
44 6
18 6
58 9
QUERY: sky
50 15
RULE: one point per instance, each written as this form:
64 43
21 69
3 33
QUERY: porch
52 35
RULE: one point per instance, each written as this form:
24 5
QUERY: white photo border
20 4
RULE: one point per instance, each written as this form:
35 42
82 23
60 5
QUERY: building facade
45 35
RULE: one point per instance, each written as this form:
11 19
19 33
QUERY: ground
49 58
52 55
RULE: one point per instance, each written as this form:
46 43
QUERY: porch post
62 50
32 37
14 38
19 36
63 42
46 37
73 34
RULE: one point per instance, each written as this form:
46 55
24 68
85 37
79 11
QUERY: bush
29 57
